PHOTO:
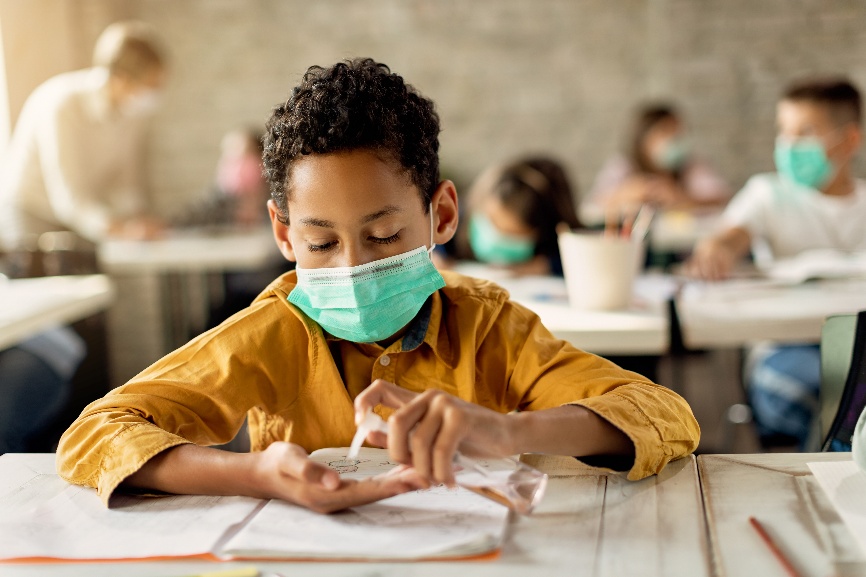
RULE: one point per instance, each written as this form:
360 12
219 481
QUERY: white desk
590 523
780 491
642 330
738 312
164 289
33 304
193 251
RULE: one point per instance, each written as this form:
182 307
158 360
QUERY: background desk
735 313
28 306
636 331
779 490
590 523
165 290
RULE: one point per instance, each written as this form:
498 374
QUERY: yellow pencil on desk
238 572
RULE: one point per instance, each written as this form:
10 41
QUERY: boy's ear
281 232
445 212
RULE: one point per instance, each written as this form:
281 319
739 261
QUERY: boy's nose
352 256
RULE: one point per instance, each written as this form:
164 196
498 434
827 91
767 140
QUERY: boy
352 161
812 202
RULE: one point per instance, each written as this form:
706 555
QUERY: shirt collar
423 328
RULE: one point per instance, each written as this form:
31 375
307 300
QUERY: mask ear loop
432 244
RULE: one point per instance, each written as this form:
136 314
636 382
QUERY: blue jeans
35 384
783 389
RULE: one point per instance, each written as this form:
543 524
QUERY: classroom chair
843 379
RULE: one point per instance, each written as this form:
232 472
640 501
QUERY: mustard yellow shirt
275 365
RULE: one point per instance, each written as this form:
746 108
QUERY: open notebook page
845 485
435 523
46 517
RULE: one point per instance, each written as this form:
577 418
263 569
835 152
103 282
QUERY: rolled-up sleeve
547 372
198 394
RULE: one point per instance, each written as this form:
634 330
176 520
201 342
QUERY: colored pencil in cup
642 222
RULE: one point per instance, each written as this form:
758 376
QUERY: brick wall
508 75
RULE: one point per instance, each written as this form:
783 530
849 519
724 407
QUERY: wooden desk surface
736 313
28 306
779 490
591 523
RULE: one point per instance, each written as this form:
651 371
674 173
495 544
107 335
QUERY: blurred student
74 161
658 169
239 178
238 195
812 201
513 212
365 321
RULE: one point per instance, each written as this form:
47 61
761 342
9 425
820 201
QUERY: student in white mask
74 162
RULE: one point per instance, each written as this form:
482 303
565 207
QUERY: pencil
777 552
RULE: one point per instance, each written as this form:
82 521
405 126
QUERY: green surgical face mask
803 161
368 302
492 246
673 155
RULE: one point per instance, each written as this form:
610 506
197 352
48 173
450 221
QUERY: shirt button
385 360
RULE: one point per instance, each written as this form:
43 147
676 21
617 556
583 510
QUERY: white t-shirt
791 218
73 162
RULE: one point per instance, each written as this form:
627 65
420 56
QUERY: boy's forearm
568 430
190 469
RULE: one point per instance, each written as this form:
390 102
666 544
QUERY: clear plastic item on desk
506 481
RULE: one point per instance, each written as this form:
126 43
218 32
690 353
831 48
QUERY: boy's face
351 208
802 119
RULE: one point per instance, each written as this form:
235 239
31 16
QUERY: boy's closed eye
320 246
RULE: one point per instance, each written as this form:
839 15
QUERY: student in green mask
657 167
812 201
513 213
366 321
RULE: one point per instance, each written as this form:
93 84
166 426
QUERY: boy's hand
284 471
428 428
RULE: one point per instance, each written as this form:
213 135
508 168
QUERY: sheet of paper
46 517
438 522
845 485
817 264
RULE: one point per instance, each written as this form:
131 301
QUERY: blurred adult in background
658 168
513 211
73 166
75 159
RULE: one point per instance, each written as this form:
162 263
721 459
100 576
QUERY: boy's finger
446 446
421 443
381 393
400 426
300 467
356 493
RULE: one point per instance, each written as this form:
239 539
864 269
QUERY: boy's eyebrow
388 210
317 222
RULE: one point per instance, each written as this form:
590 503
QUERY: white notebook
44 517
845 485
434 523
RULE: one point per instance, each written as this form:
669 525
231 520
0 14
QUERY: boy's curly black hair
356 104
